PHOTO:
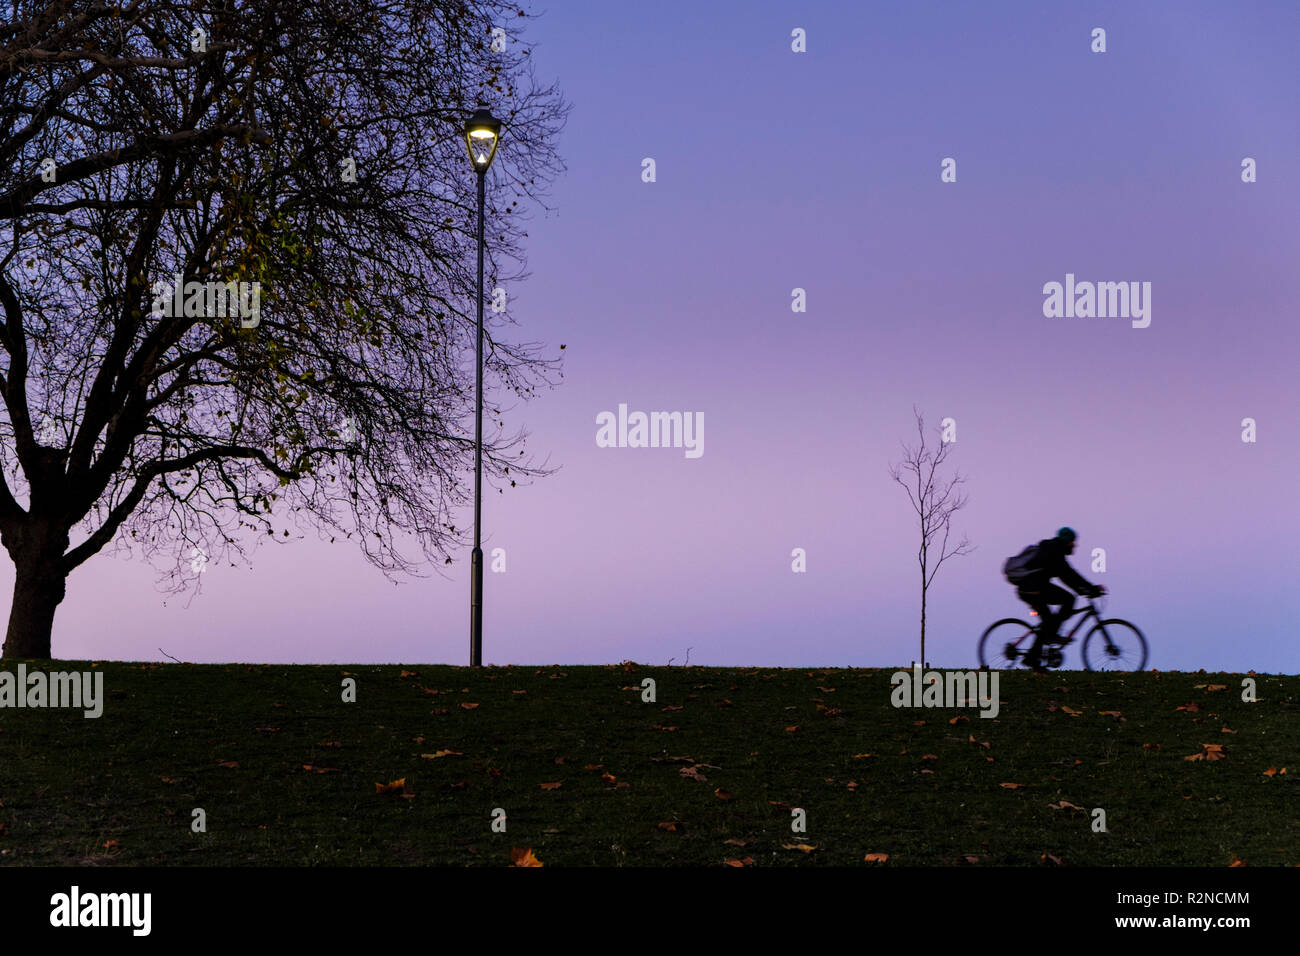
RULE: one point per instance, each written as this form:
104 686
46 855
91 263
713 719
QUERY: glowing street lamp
482 132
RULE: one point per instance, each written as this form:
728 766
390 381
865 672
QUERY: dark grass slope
238 740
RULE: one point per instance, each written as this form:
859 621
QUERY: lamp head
482 132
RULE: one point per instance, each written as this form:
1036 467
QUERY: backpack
1020 568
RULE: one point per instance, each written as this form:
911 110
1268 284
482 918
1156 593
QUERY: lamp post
482 131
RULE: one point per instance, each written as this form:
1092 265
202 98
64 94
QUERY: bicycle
1111 645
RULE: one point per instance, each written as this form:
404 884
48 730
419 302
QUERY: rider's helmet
1066 534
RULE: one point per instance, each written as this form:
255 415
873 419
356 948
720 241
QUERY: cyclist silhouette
1031 573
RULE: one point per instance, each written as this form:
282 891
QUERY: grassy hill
589 774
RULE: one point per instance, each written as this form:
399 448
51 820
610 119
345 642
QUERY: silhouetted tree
935 502
313 147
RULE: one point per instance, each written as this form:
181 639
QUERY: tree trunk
923 662
39 587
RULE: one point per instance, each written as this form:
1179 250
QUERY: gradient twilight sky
821 170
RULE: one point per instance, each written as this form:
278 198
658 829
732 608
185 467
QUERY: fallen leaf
929 756
668 827
232 764
1071 711
722 794
1011 786
1111 713
671 707
396 787
791 729
442 753
801 847
334 744
524 857
465 705
875 858
312 769
747 861
978 743
860 756
1189 707
1150 746
407 674
1271 771
556 785
1047 856
692 774
109 844
1237 862
736 841
1063 805
1225 730
1214 687
661 727
960 719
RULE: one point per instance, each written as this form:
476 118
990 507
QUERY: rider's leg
1035 599
1052 622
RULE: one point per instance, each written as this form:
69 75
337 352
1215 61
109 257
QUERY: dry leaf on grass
555 785
801 847
524 857
396 788
875 858
442 753
1011 786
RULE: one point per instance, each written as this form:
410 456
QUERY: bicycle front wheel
1005 643
1114 645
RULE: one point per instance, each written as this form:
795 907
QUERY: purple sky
821 170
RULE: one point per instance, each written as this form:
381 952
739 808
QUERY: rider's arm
1074 579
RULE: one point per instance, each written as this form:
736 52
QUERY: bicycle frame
1087 611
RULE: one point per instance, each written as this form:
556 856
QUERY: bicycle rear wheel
1005 644
1114 645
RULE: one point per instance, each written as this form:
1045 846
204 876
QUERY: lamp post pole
482 131
476 561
